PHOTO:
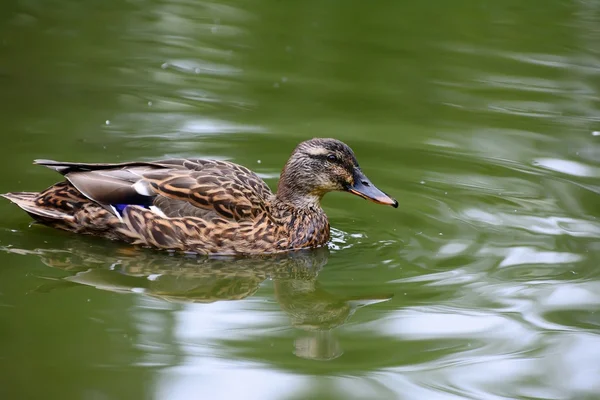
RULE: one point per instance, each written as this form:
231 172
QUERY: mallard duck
202 206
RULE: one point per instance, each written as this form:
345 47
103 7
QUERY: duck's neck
296 196
306 222
298 201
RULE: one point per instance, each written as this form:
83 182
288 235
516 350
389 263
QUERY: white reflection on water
568 167
201 366
217 378
193 127
573 296
504 357
444 322
202 67
548 226
528 255
494 355
575 364
199 322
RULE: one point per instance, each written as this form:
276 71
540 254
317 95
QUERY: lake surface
481 118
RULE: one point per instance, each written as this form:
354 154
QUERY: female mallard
202 206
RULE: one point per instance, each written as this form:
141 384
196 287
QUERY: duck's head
318 166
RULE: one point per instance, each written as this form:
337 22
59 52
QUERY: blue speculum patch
120 208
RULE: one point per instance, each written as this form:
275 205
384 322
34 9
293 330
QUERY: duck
202 206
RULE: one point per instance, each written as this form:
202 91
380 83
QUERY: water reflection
191 279
318 312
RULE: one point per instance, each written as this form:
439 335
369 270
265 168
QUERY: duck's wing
178 187
230 190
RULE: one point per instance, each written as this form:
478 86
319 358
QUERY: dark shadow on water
191 279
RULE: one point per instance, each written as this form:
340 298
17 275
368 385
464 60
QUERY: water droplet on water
107 122
596 133
258 161
149 104
422 182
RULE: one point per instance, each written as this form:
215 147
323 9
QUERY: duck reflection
310 308
317 312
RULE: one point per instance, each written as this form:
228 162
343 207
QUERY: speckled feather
197 205
211 207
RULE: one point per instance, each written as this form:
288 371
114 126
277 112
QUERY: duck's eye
332 157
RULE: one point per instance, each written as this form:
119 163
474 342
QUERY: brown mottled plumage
202 206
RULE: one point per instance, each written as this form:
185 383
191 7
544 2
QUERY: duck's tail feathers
59 167
27 201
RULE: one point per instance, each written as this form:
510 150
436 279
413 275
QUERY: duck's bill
364 188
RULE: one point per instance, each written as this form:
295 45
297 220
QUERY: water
481 118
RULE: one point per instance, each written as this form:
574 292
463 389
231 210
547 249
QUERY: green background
480 117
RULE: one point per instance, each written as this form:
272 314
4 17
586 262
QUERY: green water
481 118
